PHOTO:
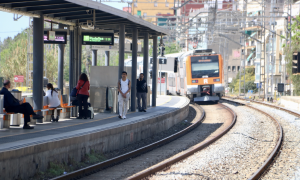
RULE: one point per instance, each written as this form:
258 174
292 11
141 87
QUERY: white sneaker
124 117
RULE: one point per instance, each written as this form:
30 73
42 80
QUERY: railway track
286 164
156 147
243 153
276 149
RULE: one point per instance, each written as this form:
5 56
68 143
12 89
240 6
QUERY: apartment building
149 9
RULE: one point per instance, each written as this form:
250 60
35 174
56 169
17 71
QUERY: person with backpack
83 87
142 90
53 100
124 85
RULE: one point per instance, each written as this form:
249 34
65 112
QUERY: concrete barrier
23 161
290 102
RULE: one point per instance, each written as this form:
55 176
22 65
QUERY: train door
182 81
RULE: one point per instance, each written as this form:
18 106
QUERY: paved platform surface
16 137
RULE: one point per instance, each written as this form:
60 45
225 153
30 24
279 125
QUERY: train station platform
24 152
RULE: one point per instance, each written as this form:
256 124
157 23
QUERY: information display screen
89 38
60 38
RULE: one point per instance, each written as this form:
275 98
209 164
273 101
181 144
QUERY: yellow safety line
165 101
78 123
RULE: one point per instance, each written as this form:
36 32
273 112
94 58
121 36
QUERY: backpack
121 85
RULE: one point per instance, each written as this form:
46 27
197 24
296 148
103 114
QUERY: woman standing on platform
83 87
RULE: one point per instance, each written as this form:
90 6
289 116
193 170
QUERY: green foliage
95 157
293 46
169 48
249 79
14 58
56 169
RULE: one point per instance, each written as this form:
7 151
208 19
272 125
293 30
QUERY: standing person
124 85
83 87
53 100
142 90
11 104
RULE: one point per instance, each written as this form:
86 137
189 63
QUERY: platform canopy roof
73 12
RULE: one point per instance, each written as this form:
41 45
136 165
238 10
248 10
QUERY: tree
249 80
289 48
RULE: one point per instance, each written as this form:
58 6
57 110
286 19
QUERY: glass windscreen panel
205 66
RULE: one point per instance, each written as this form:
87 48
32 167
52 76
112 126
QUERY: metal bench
47 111
4 117
44 110
66 109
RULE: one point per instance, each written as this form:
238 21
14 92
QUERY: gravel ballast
237 155
140 163
287 164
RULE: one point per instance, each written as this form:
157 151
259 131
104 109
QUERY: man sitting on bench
11 104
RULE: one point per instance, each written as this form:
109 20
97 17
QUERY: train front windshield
205 66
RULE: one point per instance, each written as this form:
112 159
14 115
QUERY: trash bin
15 119
112 99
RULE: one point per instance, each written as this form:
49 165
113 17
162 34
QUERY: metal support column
61 48
71 59
75 49
38 63
107 54
134 68
79 42
75 65
154 71
121 48
94 57
146 57
242 72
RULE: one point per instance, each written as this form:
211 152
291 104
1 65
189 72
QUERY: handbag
74 91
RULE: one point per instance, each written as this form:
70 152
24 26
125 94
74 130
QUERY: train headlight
194 81
216 80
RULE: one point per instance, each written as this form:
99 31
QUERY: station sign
58 37
93 38
18 78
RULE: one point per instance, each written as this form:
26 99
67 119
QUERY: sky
10 28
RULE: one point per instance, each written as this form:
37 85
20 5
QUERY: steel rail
108 163
276 107
187 153
276 149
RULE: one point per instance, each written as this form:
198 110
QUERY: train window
229 68
205 67
233 69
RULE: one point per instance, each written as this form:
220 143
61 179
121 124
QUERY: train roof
183 56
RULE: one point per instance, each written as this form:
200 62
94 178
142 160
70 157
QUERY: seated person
53 100
11 104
